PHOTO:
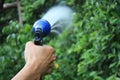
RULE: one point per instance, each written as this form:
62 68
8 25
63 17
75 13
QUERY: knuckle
29 43
51 49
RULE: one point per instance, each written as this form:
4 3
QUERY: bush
87 51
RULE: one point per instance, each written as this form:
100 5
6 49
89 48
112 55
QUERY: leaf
113 65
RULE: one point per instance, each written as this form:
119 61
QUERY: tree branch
9 5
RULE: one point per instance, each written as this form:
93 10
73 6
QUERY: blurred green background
89 50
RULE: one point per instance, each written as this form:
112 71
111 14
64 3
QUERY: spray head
54 21
41 28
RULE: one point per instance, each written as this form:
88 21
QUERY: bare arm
26 73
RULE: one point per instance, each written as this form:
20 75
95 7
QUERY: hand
39 61
39 57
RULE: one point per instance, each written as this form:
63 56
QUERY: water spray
54 21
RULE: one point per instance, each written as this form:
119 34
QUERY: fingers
49 47
51 65
52 59
49 69
50 55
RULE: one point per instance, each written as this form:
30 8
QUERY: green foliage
90 50
11 52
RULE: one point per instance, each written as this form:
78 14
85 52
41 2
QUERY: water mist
55 21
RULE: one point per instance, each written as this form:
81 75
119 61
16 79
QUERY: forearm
26 73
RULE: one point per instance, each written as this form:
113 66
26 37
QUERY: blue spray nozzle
41 28
42 25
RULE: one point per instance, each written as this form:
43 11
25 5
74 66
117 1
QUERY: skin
39 61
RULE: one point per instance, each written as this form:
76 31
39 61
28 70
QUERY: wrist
26 73
33 70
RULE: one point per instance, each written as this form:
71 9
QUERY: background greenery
90 50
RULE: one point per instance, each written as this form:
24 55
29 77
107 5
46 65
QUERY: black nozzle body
38 37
